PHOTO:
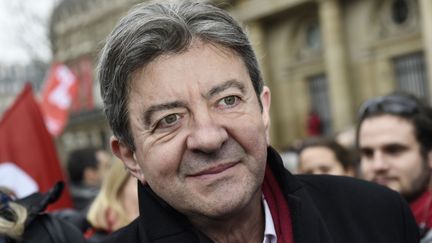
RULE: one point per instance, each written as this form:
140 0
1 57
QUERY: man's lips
214 170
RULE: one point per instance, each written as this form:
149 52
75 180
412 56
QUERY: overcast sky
23 30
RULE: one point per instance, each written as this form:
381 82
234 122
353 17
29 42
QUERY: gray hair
151 30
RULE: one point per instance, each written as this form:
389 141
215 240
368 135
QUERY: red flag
57 97
26 143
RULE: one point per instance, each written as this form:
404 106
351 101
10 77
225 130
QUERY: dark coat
325 209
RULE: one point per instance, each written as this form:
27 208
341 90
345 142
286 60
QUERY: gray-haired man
190 114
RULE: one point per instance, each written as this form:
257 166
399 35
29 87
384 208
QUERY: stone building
322 55
330 55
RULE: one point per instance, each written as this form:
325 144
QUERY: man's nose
379 162
206 135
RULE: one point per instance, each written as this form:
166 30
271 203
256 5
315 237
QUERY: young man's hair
163 28
406 106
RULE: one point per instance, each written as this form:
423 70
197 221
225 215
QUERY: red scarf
422 209
279 209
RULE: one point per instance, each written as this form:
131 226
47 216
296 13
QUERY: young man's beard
420 184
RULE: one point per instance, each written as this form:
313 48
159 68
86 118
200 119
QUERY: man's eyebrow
395 145
160 107
224 86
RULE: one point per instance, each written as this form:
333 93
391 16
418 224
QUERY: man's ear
265 101
125 154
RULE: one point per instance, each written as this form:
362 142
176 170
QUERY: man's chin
409 195
394 188
390 183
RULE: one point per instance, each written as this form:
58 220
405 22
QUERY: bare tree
32 32
32 35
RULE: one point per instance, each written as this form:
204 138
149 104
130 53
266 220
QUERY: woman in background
116 205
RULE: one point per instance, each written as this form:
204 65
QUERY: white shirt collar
269 230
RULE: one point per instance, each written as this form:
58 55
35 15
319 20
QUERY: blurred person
24 220
184 97
86 168
394 137
319 155
314 124
116 205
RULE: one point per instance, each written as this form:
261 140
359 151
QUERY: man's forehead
385 130
170 72
386 122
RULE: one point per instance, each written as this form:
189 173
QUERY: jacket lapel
307 223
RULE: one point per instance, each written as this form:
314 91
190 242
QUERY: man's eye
228 101
395 149
367 153
168 121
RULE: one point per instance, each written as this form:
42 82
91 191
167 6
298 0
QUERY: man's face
200 135
320 160
391 155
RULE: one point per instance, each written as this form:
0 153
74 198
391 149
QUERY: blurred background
320 58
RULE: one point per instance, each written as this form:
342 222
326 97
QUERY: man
319 155
395 142
86 168
190 115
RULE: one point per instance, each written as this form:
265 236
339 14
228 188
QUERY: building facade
321 55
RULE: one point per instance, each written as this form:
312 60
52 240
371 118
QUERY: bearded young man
395 141
190 114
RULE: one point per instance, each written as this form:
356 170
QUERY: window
313 36
400 11
320 102
410 73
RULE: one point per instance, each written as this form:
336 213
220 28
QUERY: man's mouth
214 170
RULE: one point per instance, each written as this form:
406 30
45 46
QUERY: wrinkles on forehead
197 42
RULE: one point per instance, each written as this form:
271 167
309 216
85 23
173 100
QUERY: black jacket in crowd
324 209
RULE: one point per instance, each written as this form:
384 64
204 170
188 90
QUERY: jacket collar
307 223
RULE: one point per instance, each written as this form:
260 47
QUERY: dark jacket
326 209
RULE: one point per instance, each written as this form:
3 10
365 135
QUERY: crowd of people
392 147
189 111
